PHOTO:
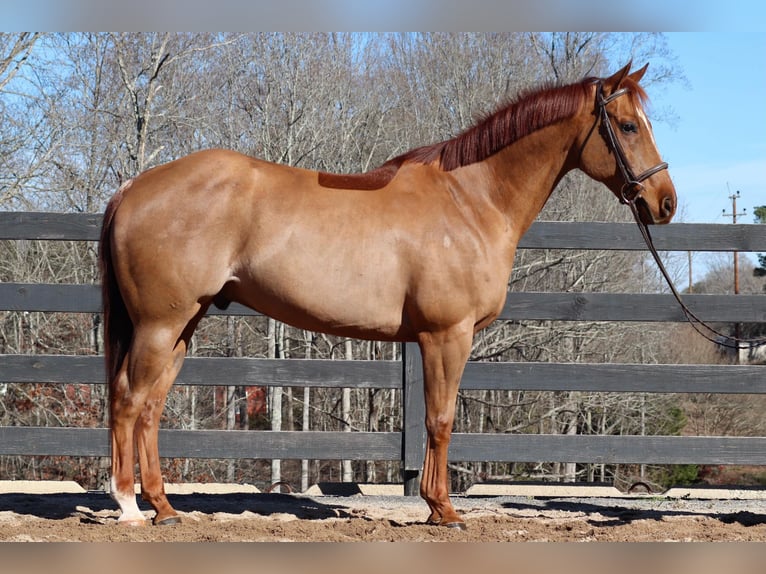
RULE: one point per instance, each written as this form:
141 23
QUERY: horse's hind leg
122 421
149 367
146 438
147 431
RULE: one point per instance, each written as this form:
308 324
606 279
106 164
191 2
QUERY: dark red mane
530 112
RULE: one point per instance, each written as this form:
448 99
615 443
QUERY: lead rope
630 192
698 324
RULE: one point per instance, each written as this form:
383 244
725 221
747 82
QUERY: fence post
413 418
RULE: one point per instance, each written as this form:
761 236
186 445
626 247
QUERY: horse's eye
629 128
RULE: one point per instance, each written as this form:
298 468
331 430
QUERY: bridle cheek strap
632 188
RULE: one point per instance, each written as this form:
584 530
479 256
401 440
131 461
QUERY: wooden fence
407 446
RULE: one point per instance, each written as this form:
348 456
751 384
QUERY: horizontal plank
71 298
518 306
731 379
636 378
632 307
53 226
626 236
608 449
54 441
282 444
69 441
62 441
542 234
258 372
50 298
292 372
56 369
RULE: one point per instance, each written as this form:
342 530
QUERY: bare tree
91 110
14 51
17 134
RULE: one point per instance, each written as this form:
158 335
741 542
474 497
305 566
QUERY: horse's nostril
668 206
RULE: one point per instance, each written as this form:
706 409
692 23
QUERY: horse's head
619 148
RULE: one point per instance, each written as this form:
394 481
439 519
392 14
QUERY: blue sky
718 145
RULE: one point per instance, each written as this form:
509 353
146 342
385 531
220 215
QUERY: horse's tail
118 328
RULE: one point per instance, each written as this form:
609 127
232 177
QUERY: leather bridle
632 188
630 192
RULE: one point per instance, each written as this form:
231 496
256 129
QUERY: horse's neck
524 174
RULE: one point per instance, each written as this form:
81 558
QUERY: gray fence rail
407 446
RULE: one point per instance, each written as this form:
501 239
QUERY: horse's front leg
444 357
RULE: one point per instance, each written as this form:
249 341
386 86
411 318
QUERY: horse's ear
638 74
612 83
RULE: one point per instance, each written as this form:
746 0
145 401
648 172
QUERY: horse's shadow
264 504
617 514
90 507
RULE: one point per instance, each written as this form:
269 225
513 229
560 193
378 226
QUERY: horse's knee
150 413
439 428
126 407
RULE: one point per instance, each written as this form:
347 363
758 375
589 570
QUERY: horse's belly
351 309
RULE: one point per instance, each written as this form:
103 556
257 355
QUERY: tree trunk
347 473
275 398
305 421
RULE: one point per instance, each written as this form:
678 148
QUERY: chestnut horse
419 249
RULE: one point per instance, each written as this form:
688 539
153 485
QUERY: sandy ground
273 517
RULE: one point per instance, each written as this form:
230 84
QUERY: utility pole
691 275
734 197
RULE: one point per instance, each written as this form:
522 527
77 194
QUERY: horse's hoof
132 523
457 525
169 521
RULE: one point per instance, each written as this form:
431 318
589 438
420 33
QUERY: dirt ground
261 517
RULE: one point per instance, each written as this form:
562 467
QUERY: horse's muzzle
664 211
